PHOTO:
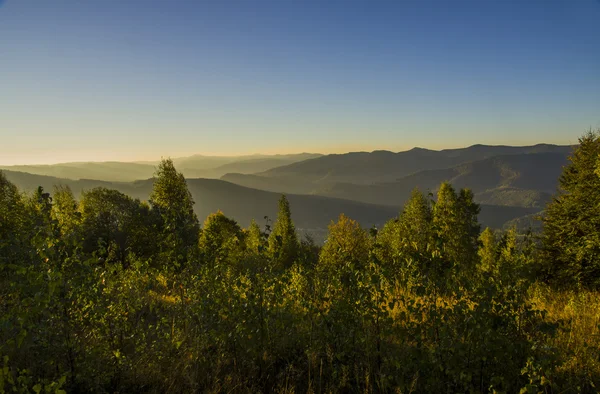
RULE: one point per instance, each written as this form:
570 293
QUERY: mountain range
512 184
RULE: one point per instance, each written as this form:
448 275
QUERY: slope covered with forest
520 179
311 213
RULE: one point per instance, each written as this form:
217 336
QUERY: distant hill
525 179
107 171
193 166
310 213
245 166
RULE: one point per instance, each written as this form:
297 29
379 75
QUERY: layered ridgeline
197 166
312 214
511 176
513 184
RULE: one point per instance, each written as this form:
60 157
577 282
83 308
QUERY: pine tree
173 201
283 241
571 232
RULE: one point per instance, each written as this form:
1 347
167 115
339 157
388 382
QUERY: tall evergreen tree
283 240
180 227
571 232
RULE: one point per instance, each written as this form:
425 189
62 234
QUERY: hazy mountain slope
193 166
517 180
247 166
106 171
29 182
273 184
384 166
514 197
243 204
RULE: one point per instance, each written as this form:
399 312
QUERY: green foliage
455 225
114 226
347 244
406 245
221 239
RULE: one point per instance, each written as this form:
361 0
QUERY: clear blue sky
131 80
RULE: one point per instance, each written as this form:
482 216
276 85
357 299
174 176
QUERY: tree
115 225
488 252
406 242
456 226
283 241
180 227
65 212
221 239
15 225
347 244
254 238
571 230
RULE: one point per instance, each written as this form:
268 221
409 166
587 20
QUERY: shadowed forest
112 293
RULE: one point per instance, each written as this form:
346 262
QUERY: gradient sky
139 79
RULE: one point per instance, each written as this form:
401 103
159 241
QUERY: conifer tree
180 227
571 232
283 241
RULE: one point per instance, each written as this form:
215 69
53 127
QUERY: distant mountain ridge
382 166
192 166
526 179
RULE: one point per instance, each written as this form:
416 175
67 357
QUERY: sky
140 79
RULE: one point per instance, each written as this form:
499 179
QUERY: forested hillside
312 214
520 179
108 293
